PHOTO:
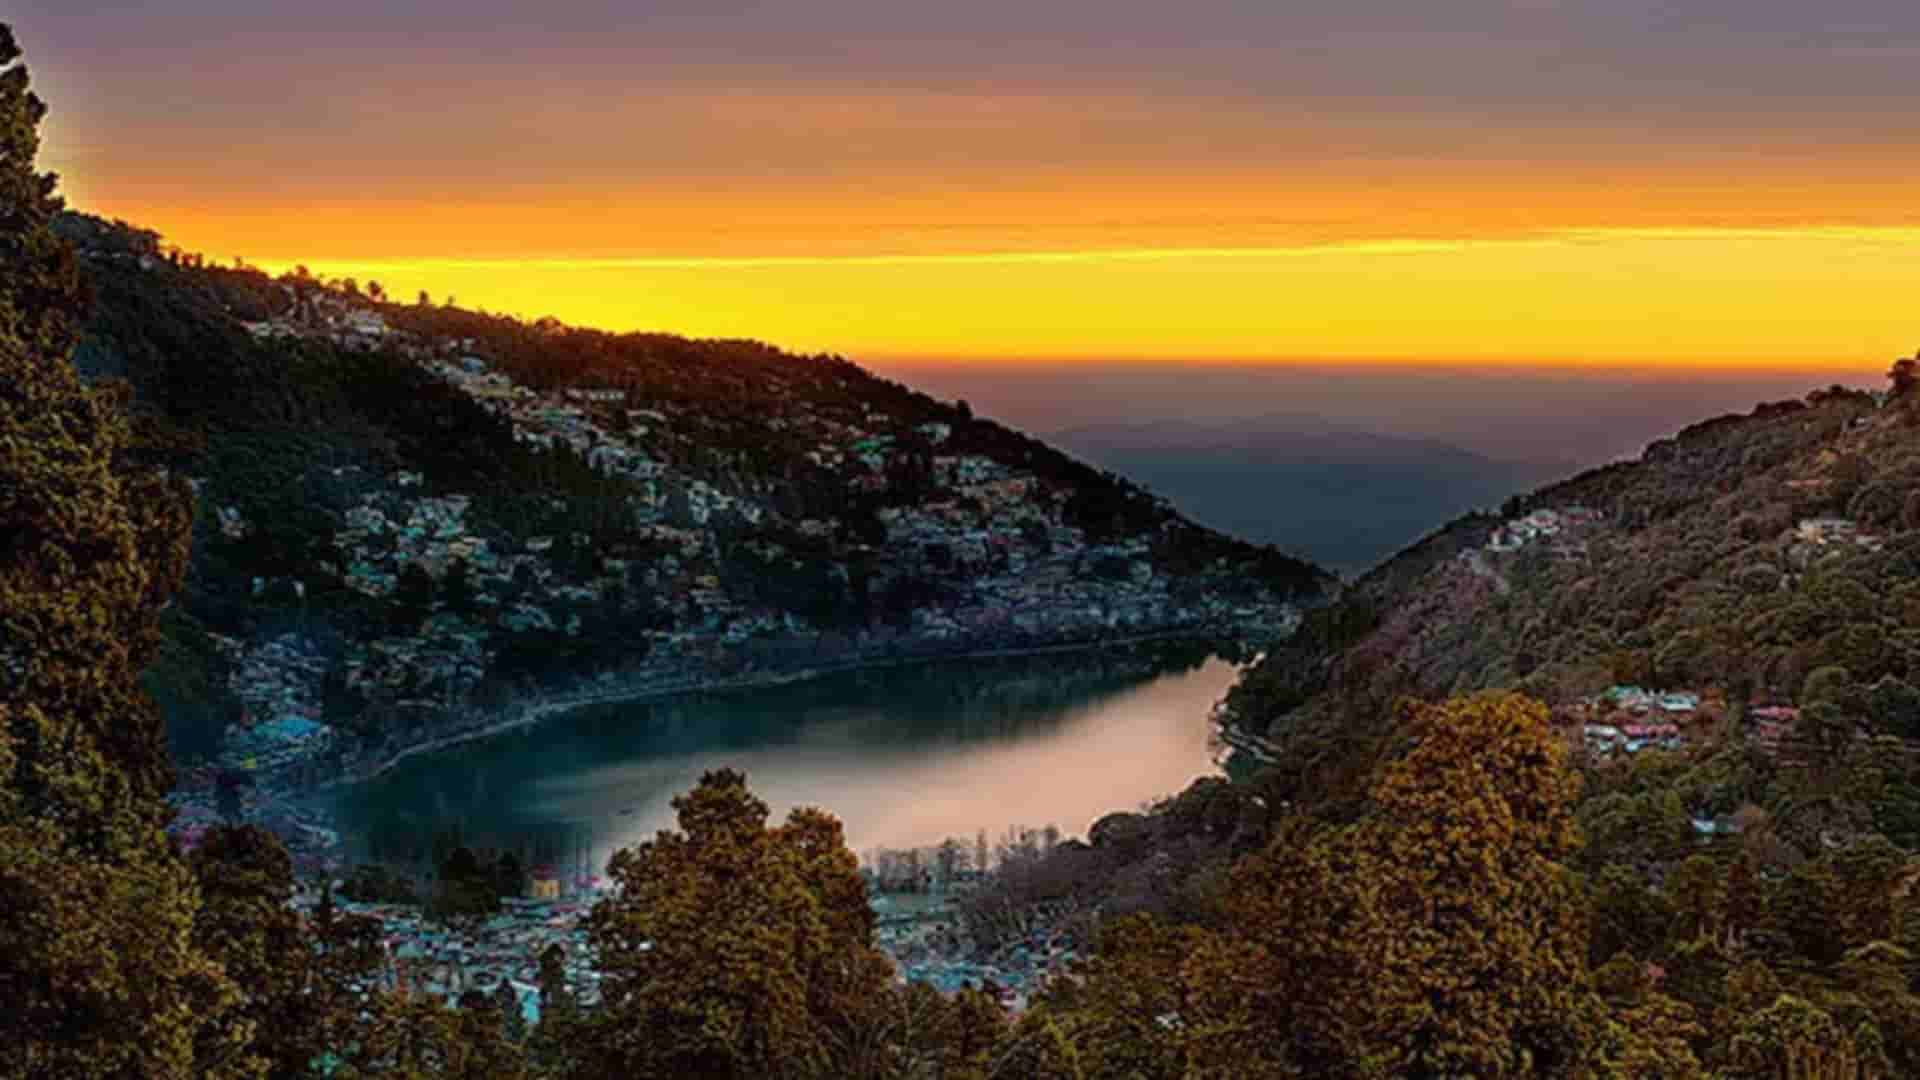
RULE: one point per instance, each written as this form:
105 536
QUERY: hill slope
1764 570
410 515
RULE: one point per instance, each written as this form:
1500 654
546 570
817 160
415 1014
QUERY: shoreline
535 713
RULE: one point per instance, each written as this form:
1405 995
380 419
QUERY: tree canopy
733 948
106 978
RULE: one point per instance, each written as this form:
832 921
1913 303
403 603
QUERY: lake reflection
904 756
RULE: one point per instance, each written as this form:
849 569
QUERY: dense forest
1424 868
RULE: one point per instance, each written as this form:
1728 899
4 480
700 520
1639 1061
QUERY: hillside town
500 954
909 545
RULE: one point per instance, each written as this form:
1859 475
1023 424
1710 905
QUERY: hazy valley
1342 498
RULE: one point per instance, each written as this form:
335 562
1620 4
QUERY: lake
905 756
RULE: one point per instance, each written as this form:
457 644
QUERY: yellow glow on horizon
1752 297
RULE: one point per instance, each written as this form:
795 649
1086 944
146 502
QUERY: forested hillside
1739 557
410 514
1727 636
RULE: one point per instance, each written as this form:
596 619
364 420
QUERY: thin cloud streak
1546 239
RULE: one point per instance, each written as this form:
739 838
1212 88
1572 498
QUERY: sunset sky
1592 182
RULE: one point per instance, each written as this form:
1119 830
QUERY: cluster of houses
1541 526
1830 535
421 956
431 959
925 948
1629 719
1772 725
321 313
589 421
277 682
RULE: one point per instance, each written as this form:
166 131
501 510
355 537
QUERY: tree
1903 375
1894 705
950 858
731 948
1872 877
1745 903
229 786
98 966
457 588
1626 916
915 1030
1159 1001
1831 685
1793 1039
1803 912
1441 933
513 1020
245 880
348 951
1432 930
553 1040
412 596
39 279
418 1037
467 891
1699 897
508 877
1644 1032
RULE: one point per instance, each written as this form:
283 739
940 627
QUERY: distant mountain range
1343 498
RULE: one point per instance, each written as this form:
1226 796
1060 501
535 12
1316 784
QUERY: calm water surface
904 756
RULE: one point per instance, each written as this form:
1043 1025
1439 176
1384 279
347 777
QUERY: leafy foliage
733 949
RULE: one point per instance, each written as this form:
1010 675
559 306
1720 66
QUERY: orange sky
1502 181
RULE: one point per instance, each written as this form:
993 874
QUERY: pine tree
513 1020
1441 934
553 1043
1793 1039
417 1038
1699 897
99 971
733 949
246 880
40 284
